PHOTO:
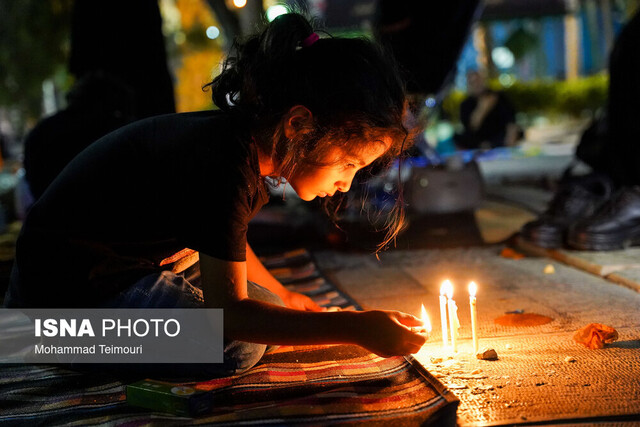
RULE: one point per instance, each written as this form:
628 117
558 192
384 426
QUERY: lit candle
453 316
473 288
425 321
443 312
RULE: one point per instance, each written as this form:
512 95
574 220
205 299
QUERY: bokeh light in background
213 32
444 131
276 10
502 57
430 102
239 3
198 52
506 80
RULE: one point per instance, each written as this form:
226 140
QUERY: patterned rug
317 385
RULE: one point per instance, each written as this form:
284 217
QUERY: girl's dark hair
350 85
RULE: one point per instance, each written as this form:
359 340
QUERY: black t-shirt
135 197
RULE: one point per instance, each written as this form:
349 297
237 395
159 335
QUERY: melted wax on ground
522 319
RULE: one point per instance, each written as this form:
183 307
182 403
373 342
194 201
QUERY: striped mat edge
295 385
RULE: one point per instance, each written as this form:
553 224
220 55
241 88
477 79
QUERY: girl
112 229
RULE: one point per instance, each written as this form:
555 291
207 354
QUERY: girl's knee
240 356
259 293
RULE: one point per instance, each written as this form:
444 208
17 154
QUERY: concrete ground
542 376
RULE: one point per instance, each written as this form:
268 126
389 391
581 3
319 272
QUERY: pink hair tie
310 40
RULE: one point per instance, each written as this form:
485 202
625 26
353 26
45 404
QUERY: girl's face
323 181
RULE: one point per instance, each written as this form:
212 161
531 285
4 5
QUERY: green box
177 399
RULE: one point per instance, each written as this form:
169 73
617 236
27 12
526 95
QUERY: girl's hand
389 333
301 302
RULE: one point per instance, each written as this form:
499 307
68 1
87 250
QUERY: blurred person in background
487 116
121 76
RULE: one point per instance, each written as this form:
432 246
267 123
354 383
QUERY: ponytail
259 68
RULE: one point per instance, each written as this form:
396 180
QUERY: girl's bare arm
224 283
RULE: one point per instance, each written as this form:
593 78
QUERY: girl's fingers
415 349
408 319
418 336
418 339
298 301
310 305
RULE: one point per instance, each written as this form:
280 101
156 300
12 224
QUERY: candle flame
425 319
447 289
473 288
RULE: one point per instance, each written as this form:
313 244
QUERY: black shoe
576 198
616 225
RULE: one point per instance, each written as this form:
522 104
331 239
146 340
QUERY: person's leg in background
601 211
617 224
